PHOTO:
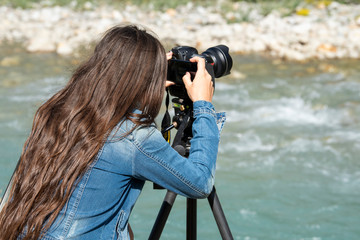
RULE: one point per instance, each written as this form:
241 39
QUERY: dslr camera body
218 63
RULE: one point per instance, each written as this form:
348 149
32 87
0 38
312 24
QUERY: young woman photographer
94 143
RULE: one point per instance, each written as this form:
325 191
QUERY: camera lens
221 58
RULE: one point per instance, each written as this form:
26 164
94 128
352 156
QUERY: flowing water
288 165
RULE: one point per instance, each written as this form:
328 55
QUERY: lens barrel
219 55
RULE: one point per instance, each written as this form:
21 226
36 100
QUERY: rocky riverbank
322 32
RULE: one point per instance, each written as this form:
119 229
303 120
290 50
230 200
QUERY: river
288 164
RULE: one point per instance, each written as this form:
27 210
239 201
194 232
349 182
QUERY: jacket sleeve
193 177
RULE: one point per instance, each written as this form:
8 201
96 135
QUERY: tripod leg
191 219
163 215
219 215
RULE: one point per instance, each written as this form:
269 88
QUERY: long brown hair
126 71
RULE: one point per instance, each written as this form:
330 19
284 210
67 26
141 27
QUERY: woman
94 143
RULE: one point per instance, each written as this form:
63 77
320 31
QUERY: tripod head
182 121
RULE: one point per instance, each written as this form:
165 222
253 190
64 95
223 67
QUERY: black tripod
183 122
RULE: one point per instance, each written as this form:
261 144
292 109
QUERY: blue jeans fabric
102 201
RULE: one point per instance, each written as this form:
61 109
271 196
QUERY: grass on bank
163 4
233 8
160 4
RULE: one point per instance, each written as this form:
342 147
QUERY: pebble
10 61
326 32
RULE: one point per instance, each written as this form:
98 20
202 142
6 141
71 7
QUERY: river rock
327 32
10 61
63 48
43 42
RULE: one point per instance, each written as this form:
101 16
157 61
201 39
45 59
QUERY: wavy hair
127 71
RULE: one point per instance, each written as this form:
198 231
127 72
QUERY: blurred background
288 165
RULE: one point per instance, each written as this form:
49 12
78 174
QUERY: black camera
218 63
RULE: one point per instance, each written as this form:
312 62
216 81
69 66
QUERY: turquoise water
288 166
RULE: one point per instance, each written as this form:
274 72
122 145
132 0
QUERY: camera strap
166 121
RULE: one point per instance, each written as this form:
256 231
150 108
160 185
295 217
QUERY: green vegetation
81 4
285 7
268 5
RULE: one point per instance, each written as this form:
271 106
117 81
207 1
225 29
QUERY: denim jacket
102 201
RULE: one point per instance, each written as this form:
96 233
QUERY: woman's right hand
201 88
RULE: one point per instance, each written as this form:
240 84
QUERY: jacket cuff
204 107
